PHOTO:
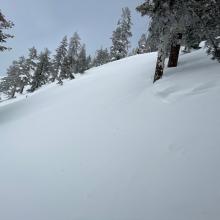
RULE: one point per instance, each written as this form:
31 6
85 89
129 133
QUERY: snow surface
112 146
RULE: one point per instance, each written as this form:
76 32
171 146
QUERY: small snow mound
196 74
202 44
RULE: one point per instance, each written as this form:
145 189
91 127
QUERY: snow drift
112 146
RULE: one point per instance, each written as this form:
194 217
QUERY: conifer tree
11 81
61 53
66 71
159 13
120 37
23 74
5 85
73 52
89 62
16 78
205 14
192 39
82 60
42 72
31 62
142 45
102 56
20 74
168 22
172 19
4 25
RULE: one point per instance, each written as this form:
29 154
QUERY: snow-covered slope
112 146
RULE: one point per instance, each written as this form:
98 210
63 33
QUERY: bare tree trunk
160 63
174 51
22 89
13 92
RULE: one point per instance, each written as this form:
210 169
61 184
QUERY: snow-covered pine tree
61 53
66 71
73 51
89 62
118 50
169 21
205 14
120 37
32 59
172 19
147 43
184 28
43 70
102 56
17 77
153 37
23 74
161 23
192 38
82 60
10 82
4 25
5 86
142 45
31 62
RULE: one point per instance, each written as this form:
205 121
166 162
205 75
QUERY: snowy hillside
110 145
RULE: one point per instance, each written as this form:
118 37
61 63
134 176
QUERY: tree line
70 58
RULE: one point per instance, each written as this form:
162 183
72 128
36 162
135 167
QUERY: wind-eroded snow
110 145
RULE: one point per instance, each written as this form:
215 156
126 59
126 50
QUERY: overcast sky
43 23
